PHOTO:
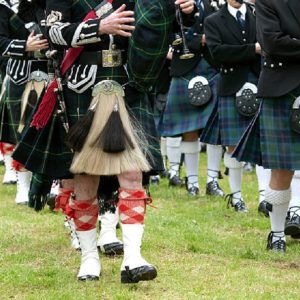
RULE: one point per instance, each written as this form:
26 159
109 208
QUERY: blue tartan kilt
269 140
44 151
179 115
10 112
226 125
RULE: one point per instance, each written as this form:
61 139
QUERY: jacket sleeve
273 41
14 48
63 32
226 53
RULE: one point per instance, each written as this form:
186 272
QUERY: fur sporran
246 102
199 91
112 145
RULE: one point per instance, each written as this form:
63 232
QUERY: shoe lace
230 197
278 244
294 214
193 185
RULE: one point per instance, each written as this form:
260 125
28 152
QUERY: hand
116 22
34 43
187 6
203 40
170 54
257 48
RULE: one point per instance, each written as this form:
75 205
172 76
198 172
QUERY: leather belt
104 58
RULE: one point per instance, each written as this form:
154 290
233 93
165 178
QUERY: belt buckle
111 58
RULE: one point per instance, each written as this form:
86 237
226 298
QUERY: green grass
201 250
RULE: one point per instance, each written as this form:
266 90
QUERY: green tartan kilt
10 113
269 141
44 151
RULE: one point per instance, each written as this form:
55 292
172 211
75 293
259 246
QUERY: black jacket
232 49
180 67
278 24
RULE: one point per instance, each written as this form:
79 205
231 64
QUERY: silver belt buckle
111 58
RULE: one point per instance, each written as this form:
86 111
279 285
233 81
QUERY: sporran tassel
78 133
113 138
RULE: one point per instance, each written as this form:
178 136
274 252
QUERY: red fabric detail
43 114
62 200
132 206
18 166
6 148
85 213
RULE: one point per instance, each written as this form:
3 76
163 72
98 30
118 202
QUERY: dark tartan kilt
179 115
225 125
10 113
44 151
269 140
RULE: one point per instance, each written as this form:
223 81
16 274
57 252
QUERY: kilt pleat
10 113
226 126
179 115
277 144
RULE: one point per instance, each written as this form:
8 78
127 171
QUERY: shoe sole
292 229
146 276
88 278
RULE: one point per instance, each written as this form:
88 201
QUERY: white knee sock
280 203
174 154
191 161
263 179
235 176
214 156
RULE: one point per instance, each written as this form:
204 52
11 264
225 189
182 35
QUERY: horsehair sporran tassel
114 138
30 96
78 133
92 159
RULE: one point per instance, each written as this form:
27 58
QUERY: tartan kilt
179 115
44 152
10 113
269 140
226 126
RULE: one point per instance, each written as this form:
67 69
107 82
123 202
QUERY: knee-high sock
280 203
263 179
235 176
174 155
295 198
214 156
191 160
84 213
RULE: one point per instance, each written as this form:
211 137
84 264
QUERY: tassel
78 133
46 107
226 172
114 138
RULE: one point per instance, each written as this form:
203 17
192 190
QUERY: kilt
10 113
179 115
44 151
269 140
225 125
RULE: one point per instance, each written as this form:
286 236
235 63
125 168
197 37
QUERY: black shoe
88 278
213 189
193 191
292 222
175 181
112 249
50 200
277 246
264 208
154 180
143 273
239 206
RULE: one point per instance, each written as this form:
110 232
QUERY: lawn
202 250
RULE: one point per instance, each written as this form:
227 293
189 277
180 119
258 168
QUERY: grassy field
201 250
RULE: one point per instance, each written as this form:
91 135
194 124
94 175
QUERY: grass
201 250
